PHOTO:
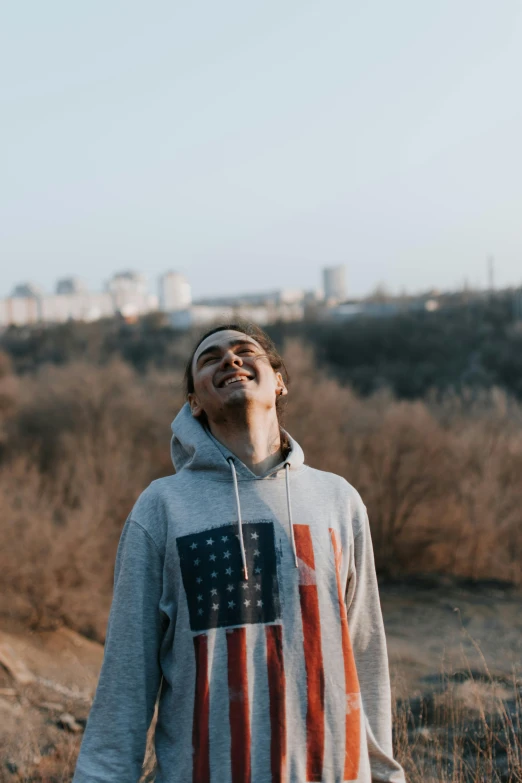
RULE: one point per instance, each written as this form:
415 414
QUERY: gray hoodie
250 604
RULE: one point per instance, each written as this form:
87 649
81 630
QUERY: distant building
19 310
70 285
126 293
334 283
174 292
130 296
26 291
58 308
204 314
127 282
263 308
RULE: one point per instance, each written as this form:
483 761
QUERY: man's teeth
234 380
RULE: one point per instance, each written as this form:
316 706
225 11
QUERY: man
244 585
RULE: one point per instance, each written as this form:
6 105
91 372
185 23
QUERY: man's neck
256 443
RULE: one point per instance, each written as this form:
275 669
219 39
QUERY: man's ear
281 389
195 407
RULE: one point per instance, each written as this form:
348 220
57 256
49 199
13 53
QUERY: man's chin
238 396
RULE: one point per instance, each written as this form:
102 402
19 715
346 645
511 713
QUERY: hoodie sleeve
113 746
370 652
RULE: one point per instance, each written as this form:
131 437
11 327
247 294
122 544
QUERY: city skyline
153 285
248 146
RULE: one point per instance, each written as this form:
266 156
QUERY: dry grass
467 731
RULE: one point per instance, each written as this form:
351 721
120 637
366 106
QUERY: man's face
231 370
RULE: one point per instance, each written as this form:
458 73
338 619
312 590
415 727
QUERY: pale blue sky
248 144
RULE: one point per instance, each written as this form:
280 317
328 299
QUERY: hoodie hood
193 447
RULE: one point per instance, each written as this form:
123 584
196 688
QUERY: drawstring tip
296 563
245 573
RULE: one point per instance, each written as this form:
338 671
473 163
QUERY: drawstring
240 523
289 505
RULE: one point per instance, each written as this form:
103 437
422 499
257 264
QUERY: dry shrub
486 507
441 480
84 442
9 393
109 408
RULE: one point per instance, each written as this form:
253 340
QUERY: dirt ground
436 628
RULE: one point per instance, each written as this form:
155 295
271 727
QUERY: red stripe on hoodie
313 654
353 697
277 693
200 732
238 705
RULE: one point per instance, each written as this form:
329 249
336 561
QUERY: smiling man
245 596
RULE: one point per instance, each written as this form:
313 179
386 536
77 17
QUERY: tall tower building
174 292
334 282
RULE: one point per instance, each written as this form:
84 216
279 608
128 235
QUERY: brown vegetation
79 444
442 480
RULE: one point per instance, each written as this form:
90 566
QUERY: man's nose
231 359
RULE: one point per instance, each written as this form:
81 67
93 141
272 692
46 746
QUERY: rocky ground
455 652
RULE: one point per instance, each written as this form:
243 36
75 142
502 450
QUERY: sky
250 144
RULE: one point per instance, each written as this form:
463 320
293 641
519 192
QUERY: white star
200 611
212 557
196 561
194 545
258 570
246 602
215 606
260 603
254 535
224 538
213 574
256 552
213 591
210 541
226 554
244 586
258 587
228 571
231 604
230 588
199 580
200 597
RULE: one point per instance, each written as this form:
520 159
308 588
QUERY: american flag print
212 572
220 598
